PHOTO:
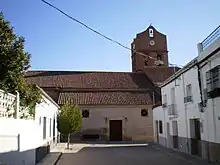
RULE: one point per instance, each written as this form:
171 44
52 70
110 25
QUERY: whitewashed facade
189 118
27 141
209 63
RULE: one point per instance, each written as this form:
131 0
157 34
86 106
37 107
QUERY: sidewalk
190 158
55 154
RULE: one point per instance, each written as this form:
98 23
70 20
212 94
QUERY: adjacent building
26 140
188 119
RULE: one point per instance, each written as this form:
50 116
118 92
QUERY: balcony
172 110
211 38
188 99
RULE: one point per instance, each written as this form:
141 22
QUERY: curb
58 158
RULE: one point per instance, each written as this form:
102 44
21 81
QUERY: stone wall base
206 150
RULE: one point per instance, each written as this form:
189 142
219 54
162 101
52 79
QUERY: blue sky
57 43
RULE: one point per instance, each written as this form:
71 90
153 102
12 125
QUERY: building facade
26 141
188 118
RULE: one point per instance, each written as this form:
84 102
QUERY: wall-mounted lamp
126 119
106 119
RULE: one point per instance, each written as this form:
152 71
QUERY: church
115 105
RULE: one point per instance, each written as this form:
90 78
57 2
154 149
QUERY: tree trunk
68 142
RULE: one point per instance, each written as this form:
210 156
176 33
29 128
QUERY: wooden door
115 130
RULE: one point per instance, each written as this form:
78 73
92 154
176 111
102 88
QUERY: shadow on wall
18 157
28 157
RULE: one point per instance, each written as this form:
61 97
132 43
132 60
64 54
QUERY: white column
17 104
199 48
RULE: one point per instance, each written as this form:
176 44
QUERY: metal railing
172 110
211 38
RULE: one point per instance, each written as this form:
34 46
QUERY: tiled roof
160 74
96 88
89 80
106 98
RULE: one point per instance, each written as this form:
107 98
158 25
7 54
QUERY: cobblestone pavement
122 155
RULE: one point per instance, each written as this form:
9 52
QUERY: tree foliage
14 61
69 120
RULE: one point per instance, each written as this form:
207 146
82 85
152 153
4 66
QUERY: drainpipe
200 83
186 121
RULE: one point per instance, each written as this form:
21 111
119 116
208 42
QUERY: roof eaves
48 97
188 66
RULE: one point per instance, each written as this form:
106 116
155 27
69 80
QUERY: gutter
188 66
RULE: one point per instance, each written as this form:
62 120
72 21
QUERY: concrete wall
135 126
159 115
19 138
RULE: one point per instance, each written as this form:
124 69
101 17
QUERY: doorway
157 131
168 135
175 135
115 130
195 136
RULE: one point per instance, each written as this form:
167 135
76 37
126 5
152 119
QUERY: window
164 99
151 32
146 62
40 120
188 97
173 95
133 46
213 82
85 113
144 112
44 127
160 127
159 57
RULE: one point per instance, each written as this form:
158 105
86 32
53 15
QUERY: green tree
14 61
69 120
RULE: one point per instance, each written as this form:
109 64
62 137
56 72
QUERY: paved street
122 155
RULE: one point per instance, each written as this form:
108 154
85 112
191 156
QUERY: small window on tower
133 46
145 61
151 33
159 57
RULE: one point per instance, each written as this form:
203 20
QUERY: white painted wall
49 110
211 116
187 110
136 126
15 150
19 138
159 115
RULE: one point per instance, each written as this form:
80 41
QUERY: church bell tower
152 44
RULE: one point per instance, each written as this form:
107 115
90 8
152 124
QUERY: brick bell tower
152 43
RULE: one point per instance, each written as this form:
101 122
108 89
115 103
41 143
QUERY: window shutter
209 81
